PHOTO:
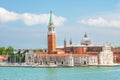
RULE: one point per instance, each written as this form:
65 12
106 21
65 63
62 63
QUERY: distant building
84 53
106 56
116 52
3 58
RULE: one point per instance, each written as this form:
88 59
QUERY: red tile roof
116 51
1 57
66 54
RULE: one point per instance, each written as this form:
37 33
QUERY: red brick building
116 52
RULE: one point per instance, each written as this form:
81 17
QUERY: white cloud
28 18
6 16
100 21
32 19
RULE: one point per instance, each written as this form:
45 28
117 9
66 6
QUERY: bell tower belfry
51 35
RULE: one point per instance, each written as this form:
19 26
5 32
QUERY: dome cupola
85 40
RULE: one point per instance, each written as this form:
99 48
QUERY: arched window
46 62
40 62
62 62
85 62
55 62
49 28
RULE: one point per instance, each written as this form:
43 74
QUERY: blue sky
23 23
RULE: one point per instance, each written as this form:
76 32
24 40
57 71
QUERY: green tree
10 50
23 57
25 51
2 51
39 50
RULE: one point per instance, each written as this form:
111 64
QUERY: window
62 62
46 62
29 57
40 62
85 62
49 29
55 62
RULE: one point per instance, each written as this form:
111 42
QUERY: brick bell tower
51 35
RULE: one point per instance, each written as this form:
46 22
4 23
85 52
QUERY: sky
24 23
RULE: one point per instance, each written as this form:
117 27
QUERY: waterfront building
106 56
3 58
30 58
63 59
116 52
84 53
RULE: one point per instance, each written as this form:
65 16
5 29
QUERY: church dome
85 40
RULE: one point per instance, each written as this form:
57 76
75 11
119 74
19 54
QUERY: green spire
51 20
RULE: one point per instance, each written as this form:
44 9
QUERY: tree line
18 57
6 51
13 57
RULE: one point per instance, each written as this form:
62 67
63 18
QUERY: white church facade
106 56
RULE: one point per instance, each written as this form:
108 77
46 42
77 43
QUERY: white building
30 58
62 59
106 56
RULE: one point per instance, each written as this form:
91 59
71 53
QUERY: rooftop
66 54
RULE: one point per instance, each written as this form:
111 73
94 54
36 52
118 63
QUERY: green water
75 73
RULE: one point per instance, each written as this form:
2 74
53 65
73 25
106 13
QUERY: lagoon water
74 73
